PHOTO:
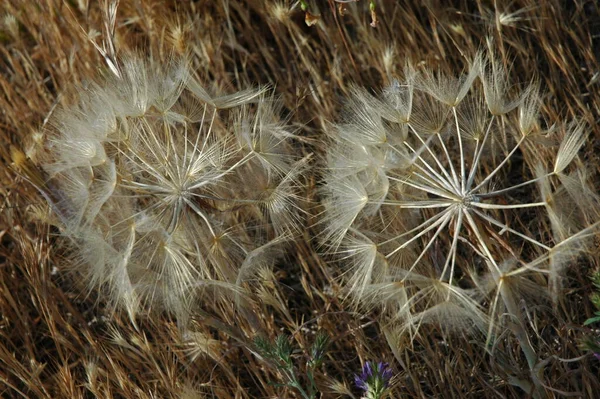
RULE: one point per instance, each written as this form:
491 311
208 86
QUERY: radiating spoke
482 243
202 215
462 155
508 189
446 182
513 206
417 204
445 221
441 222
425 188
449 179
506 228
477 156
451 257
419 227
493 173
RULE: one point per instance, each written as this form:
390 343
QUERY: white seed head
430 188
164 188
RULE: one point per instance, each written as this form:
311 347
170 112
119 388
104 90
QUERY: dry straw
55 343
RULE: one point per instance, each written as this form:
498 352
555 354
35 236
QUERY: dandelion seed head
159 197
422 208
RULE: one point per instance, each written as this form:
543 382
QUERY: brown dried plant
60 340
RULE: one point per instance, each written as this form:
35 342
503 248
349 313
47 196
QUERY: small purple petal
374 378
367 370
360 382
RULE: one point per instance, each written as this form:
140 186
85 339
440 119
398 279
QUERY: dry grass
58 342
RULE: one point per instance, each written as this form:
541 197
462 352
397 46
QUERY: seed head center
467 200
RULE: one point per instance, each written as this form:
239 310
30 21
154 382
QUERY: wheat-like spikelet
165 189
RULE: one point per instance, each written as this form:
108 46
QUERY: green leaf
592 320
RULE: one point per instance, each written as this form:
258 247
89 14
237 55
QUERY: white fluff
164 189
419 197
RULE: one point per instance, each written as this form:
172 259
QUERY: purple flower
373 381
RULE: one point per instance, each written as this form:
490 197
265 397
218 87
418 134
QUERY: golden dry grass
58 342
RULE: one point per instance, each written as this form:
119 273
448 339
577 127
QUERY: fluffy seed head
164 188
430 192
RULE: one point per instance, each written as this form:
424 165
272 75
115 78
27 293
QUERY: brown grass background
56 341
